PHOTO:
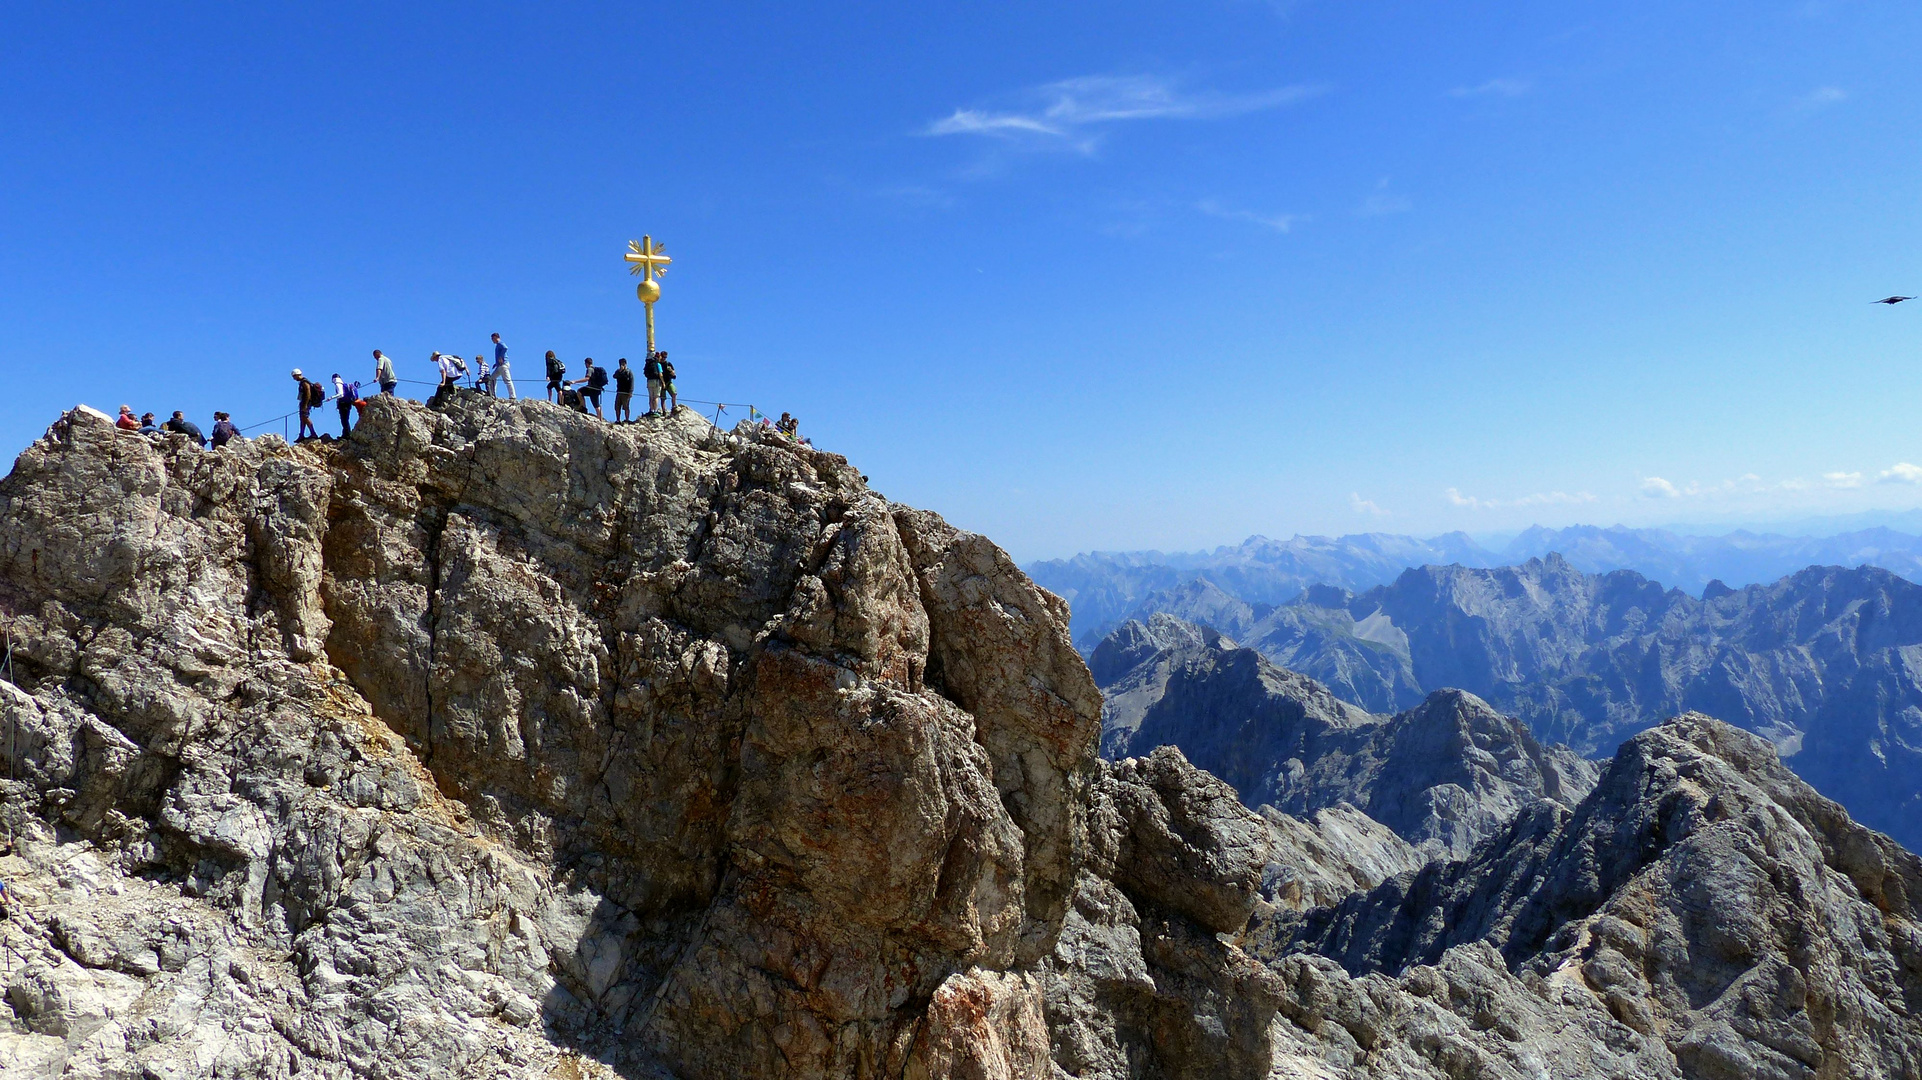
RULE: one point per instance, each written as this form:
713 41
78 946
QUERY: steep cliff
1442 775
495 734
498 742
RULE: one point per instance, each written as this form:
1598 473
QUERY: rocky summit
494 741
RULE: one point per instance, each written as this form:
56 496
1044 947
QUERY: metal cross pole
649 260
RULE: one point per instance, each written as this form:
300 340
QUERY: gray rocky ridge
494 741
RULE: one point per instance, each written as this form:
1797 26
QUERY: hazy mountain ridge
1827 662
1104 589
1442 775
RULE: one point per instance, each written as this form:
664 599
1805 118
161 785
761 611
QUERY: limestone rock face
1702 894
498 742
1443 775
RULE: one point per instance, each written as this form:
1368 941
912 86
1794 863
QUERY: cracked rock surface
495 741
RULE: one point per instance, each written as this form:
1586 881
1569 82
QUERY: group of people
583 394
224 429
663 397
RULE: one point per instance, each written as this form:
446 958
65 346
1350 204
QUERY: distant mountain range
1826 663
1104 589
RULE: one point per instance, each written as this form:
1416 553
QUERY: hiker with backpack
346 396
667 387
592 385
623 393
651 371
556 371
384 373
224 430
310 394
451 369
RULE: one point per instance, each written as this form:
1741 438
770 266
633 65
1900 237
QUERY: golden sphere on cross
648 291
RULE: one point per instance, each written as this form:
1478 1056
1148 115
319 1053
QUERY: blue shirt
500 353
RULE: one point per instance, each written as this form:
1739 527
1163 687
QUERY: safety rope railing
754 412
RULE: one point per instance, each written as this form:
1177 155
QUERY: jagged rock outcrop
493 731
497 742
1704 895
1442 775
1823 662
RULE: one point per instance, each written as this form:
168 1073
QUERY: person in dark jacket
147 425
224 430
311 395
556 372
180 425
623 392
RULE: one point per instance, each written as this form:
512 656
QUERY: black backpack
316 394
667 371
651 369
555 368
598 379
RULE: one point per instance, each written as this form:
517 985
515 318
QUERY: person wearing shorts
591 386
652 372
556 374
670 397
623 392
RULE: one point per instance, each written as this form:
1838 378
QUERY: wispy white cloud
1543 498
1068 113
1383 201
1657 488
1364 506
1842 479
1900 473
1494 88
1277 222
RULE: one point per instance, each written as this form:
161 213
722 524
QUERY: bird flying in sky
1893 299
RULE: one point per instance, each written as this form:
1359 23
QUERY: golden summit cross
649 259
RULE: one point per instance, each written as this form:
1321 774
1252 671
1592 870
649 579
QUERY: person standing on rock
501 373
450 369
384 373
346 396
670 397
651 371
556 371
623 393
310 395
592 385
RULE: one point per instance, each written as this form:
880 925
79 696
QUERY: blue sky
1088 276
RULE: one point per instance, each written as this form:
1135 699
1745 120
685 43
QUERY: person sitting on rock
224 430
126 422
180 425
147 426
